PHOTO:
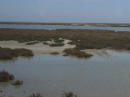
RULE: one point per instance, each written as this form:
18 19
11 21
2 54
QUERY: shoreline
82 38
70 24
40 48
56 41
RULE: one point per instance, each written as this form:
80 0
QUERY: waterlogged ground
98 76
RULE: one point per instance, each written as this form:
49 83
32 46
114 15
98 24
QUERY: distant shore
71 24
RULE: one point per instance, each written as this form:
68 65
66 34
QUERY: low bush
76 53
7 53
5 76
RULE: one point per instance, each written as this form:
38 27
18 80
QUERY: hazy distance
72 11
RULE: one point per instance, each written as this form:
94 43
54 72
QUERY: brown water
99 76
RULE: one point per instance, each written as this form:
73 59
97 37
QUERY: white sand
38 48
99 52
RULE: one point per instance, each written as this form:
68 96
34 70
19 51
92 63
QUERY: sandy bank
38 48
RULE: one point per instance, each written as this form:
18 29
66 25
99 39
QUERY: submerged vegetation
76 53
66 94
36 95
7 53
17 82
69 94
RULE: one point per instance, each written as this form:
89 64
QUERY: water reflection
50 75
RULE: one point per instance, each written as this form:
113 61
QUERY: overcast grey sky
65 10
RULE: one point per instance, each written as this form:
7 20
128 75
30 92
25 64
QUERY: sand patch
38 48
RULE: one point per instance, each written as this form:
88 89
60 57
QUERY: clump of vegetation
69 94
56 44
23 52
46 43
5 76
32 42
36 95
7 53
76 52
54 53
59 40
17 82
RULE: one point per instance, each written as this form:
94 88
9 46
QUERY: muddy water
99 76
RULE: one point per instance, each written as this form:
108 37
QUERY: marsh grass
5 76
89 39
7 53
76 53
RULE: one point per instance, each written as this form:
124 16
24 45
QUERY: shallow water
50 75
53 27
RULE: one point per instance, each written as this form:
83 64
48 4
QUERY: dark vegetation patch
32 42
54 53
89 39
58 40
7 53
5 76
76 53
69 94
45 43
66 94
36 95
56 44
